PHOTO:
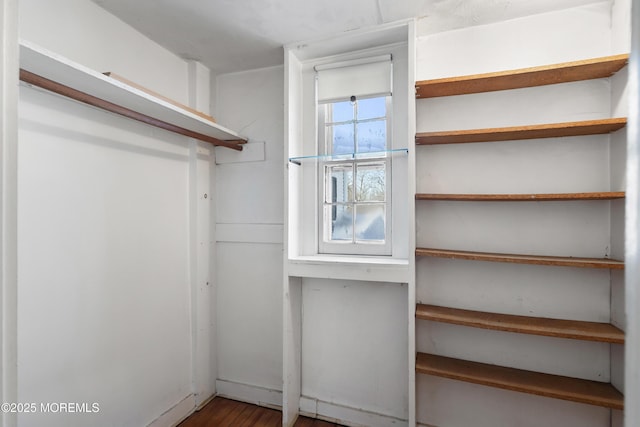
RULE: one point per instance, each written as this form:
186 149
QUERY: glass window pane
339 183
372 108
370 222
340 218
342 111
341 139
372 136
371 182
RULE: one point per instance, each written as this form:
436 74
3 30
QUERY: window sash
328 208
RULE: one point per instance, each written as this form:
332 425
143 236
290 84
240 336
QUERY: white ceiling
234 35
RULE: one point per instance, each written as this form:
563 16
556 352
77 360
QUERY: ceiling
235 35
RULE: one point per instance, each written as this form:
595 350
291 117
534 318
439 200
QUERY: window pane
371 185
341 138
372 136
339 184
372 108
342 112
340 218
370 223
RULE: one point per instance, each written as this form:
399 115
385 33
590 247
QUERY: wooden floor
221 412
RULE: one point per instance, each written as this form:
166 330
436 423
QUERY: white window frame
353 247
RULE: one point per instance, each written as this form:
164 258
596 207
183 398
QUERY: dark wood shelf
537 197
551 130
574 329
525 77
522 259
554 386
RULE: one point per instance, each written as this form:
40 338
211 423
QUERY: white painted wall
354 345
113 249
8 206
249 215
575 228
620 43
83 32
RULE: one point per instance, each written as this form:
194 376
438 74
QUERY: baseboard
255 395
206 402
309 407
176 414
345 415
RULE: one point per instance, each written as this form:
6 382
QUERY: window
355 171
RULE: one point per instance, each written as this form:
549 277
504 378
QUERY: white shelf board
345 267
52 66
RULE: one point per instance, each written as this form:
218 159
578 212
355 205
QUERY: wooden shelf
523 259
526 77
552 130
574 329
53 72
554 386
605 195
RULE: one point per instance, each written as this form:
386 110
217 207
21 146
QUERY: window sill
349 267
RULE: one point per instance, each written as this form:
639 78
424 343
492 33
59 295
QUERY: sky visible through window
359 127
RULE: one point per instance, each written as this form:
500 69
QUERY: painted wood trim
554 386
525 77
176 414
522 259
632 229
550 130
574 329
9 99
538 197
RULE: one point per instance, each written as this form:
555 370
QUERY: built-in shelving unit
524 77
555 386
588 331
559 387
552 130
541 197
50 71
522 259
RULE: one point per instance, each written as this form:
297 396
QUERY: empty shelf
525 77
555 386
522 259
604 195
574 329
551 130
42 68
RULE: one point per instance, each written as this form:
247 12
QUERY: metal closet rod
36 80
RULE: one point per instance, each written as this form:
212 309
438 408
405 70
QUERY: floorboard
221 412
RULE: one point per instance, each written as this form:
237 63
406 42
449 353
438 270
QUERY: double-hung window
354 131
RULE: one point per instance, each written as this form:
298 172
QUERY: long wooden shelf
55 73
525 77
522 259
574 329
554 386
551 130
535 197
